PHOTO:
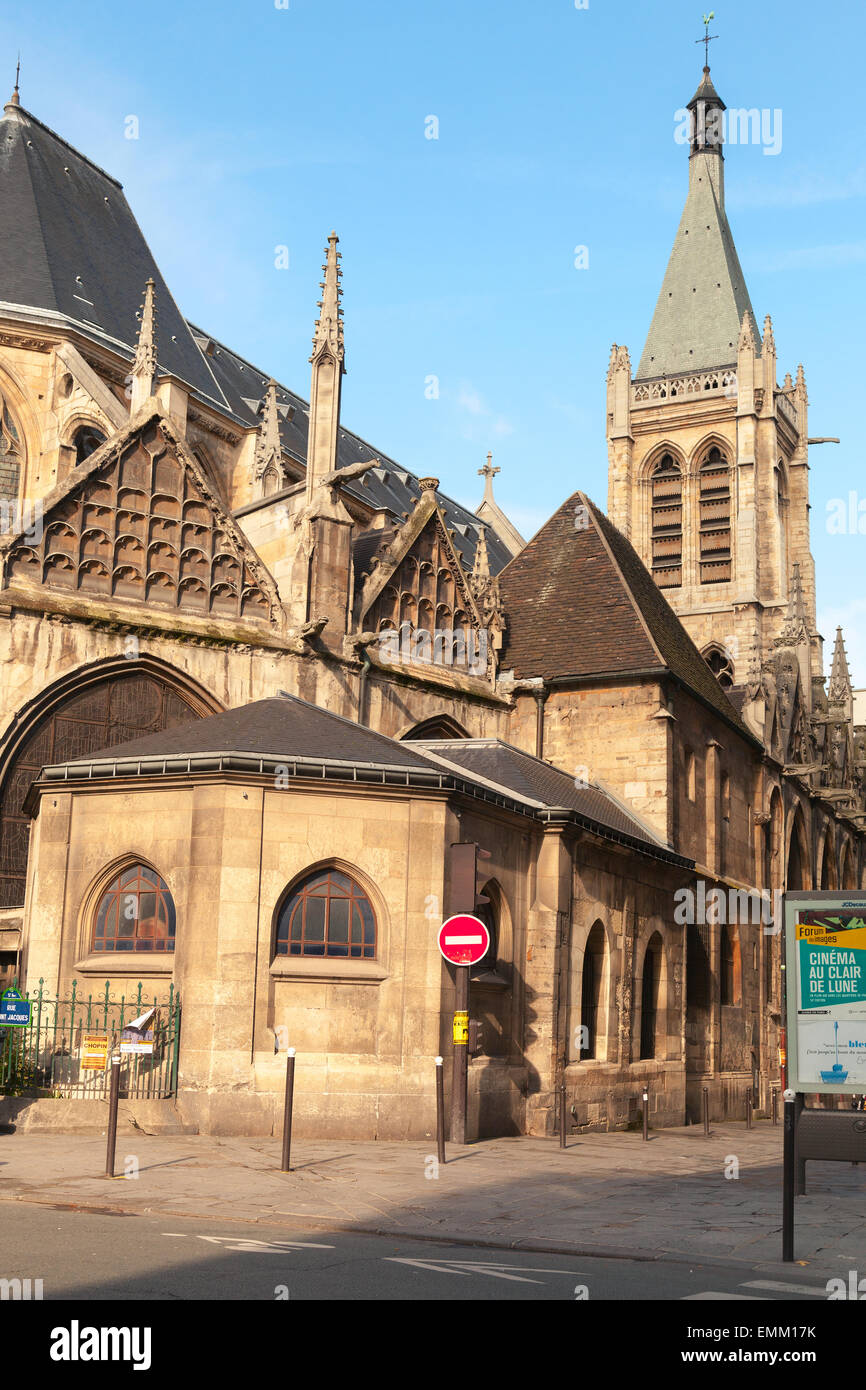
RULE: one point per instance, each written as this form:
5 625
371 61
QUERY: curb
535 1245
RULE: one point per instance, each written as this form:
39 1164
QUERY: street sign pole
460 1074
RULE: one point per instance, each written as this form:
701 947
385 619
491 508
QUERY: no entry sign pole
463 941
460 1074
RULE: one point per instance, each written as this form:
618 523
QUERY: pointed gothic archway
106 704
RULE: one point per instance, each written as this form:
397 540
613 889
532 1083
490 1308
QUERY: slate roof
531 778
699 312
281 727
580 603
74 256
311 741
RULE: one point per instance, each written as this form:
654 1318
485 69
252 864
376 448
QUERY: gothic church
258 679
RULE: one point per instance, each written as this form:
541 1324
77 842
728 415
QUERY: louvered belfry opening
667 523
715 519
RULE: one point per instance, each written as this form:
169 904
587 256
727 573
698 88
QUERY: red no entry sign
463 940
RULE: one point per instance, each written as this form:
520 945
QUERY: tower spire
328 359
15 99
328 335
144 362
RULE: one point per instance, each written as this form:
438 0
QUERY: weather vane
708 37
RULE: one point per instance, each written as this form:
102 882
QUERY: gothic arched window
591 993
327 914
650 997
721 666
134 913
96 714
10 459
667 523
715 519
86 441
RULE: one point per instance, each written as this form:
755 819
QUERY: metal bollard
113 1096
440 1111
775 1106
705 1105
287 1113
562 1105
748 1110
646 1113
788 1175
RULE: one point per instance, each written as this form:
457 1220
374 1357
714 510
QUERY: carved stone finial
328 335
428 484
268 470
839 688
144 362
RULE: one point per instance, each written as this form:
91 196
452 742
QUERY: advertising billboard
825 949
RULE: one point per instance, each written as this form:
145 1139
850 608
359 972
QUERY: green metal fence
45 1058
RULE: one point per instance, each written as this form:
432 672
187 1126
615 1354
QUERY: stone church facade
259 679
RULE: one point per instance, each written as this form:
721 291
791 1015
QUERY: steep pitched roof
579 602
531 778
703 298
74 255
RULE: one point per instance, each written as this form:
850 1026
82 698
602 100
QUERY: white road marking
250 1246
785 1288
470 1267
745 1297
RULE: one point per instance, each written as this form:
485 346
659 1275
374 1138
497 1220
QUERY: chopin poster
826 969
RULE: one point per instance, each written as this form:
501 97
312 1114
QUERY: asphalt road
80 1255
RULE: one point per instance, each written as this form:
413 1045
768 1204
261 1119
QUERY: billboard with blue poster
825 940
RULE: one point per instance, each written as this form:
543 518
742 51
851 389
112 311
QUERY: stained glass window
327 915
135 913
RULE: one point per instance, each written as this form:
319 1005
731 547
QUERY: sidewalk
607 1194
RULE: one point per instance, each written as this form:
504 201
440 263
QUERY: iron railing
44 1058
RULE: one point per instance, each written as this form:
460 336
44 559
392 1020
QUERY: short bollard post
705 1105
440 1111
562 1121
287 1114
775 1106
113 1095
748 1110
788 1165
646 1113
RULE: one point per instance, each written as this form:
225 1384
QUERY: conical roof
699 313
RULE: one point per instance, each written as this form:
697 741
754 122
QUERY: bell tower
708 455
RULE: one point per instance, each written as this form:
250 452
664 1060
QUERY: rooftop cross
708 38
488 471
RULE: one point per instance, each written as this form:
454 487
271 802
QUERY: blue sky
262 126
